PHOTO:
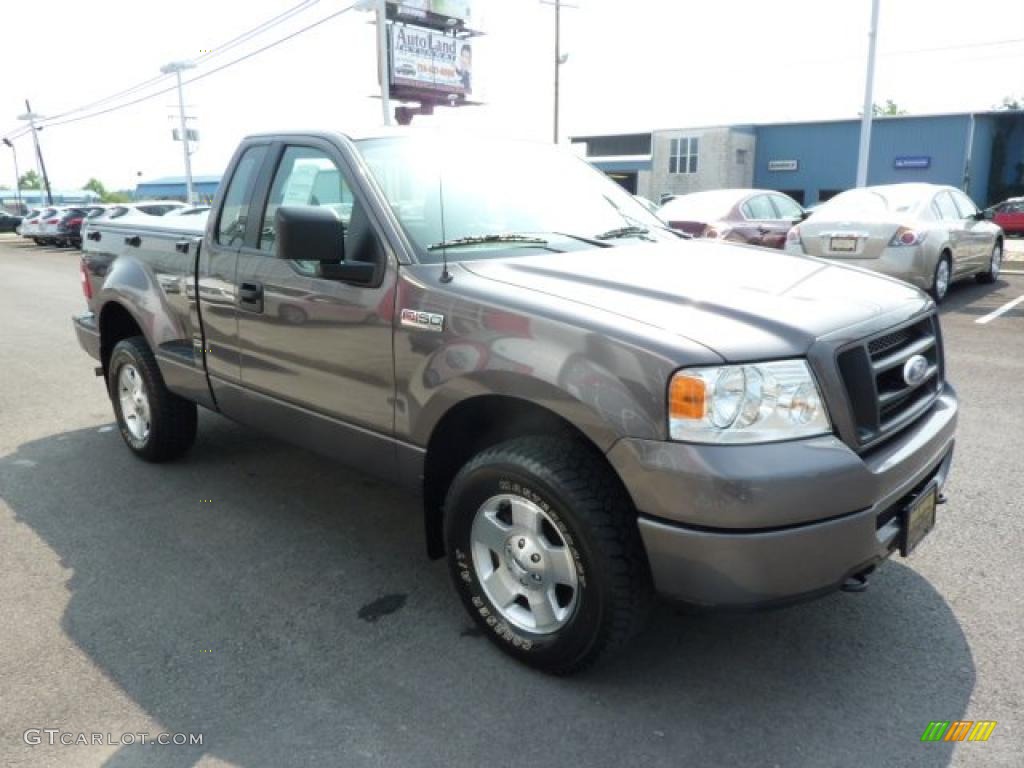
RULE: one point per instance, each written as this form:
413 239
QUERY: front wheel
995 265
940 279
545 553
156 424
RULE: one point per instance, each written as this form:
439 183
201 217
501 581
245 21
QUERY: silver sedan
925 234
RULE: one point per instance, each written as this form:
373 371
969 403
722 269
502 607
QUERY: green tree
95 185
890 109
30 180
106 195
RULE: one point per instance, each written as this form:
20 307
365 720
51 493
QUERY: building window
683 155
741 156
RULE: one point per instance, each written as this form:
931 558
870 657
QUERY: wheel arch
476 423
116 323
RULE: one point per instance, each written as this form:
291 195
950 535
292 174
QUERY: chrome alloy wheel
523 564
942 278
134 401
997 261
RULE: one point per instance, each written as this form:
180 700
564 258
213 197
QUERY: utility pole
869 102
380 8
560 58
177 67
382 60
32 117
17 176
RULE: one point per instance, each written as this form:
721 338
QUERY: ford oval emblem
915 370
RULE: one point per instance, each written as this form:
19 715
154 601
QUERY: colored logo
958 730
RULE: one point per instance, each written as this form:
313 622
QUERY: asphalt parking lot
283 608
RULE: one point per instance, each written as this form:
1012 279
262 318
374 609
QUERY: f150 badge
425 321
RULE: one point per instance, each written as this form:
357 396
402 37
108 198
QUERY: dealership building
980 152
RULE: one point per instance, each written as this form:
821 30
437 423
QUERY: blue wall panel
827 153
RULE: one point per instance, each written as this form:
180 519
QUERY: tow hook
858 582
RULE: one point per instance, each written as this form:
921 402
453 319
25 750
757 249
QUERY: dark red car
753 216
1009 215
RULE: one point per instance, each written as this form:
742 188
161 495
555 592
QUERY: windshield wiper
630 231
486 239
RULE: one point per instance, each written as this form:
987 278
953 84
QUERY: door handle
181 246
135 241
250 296
97 236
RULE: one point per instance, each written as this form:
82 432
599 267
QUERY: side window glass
759 208
967 208
946 208
235 209
308 177
787 208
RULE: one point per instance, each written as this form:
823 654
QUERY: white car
32 228
194 210
144 207
30 222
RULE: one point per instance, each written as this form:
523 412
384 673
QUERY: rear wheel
545 553
941 278
155 423
995 265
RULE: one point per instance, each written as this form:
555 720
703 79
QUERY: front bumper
88 333
762 524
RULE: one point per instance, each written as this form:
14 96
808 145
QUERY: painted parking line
1001 311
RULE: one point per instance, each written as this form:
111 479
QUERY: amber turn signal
686 397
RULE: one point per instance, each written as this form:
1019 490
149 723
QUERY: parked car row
925 234
66 225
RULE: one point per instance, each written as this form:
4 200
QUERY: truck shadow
283 607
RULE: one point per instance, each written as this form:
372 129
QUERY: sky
632 66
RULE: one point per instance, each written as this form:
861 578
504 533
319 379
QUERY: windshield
877 201
495 188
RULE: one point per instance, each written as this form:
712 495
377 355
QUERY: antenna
446 276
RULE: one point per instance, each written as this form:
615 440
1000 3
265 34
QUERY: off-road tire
172 419
596 519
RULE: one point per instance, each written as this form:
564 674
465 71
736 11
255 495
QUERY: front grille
882 401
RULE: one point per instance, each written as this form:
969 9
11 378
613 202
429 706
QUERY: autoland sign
429 61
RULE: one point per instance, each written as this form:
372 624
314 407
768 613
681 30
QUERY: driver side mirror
313 233
986 215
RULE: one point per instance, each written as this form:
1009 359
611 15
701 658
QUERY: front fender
575 382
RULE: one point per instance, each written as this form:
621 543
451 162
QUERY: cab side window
307 176
234 211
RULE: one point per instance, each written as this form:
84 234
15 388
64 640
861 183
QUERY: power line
255 31
213 71
217 51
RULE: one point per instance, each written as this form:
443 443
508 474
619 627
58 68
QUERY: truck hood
742 302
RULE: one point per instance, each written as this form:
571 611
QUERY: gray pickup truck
594 409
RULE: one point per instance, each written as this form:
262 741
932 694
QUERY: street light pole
560 58
869 102
177 67
31 117
17 176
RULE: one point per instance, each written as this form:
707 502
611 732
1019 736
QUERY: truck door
316 353
215 278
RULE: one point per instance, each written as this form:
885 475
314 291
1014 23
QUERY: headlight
756 403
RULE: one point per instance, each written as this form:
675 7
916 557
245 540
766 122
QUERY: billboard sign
425 9
425 59
907 162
